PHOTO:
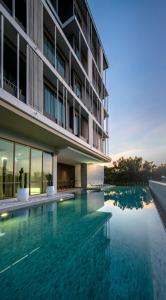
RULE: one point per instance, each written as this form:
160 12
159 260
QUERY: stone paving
13 204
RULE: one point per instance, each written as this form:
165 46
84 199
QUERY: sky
133 33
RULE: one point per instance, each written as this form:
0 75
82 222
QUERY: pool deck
14 204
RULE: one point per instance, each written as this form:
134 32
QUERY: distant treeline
133 171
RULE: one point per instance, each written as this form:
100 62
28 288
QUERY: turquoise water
96 246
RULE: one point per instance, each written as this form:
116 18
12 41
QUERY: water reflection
129 197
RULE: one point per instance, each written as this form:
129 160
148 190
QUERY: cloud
158 154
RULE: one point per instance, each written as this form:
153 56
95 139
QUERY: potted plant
23 193
50 187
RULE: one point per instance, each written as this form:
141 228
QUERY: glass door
36 172
6 169
22 161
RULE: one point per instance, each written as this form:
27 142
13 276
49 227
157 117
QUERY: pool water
97 246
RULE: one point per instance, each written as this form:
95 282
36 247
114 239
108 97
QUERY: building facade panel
52 65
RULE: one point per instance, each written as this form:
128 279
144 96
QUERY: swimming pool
97 246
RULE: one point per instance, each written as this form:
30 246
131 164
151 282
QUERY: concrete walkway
14 204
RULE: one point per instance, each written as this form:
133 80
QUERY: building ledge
36 125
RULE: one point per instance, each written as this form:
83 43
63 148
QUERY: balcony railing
12 89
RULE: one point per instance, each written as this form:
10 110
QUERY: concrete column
35 65
18 65
101 61
85 100
80 120
78 175
2 49
57 95
90 65
55 171
66 111
90 130
64 94
35 24
84 175
27 74
55 41
80 44
70 68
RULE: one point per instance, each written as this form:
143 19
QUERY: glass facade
77 89
52 106
60 64
49 50
36 172
22 166
47 169
6 169
76 124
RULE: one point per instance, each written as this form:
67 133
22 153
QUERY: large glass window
76 124
54 4
8 4
60 64
47 169
23 167
6 169
50 102
52 106
22 161
77 89
49 50
36 172
20 12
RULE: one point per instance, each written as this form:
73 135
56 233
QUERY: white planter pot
23 194
50 190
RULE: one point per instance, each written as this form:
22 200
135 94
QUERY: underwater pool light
4 215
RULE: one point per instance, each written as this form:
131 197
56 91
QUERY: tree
133 170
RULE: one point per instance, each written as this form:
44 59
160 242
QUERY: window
76 85
76 48
60 112
20 12
77 89
52 106
47 168
60 64
6 169
8 4
77 16
50 103
76 124
49 50
36 172
22 162
32 164
10 68
54 4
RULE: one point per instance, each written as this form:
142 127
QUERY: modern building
53 96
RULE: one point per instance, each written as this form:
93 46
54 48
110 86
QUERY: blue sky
133 33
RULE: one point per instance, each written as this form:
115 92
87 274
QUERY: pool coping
160 209
13 204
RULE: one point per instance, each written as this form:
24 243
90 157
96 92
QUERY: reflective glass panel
6 169
22 159
47 169
36 172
